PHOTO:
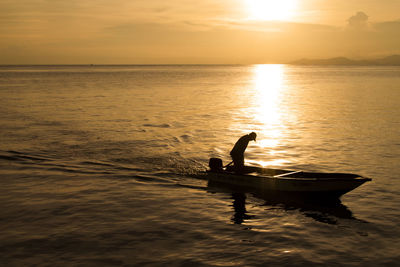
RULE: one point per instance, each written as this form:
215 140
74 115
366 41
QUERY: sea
103 165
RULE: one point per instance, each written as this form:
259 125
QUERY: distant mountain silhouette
393 60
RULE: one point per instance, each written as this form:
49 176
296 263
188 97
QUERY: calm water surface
99 164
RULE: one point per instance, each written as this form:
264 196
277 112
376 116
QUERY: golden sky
187 31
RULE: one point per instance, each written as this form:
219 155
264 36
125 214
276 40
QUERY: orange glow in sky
195 32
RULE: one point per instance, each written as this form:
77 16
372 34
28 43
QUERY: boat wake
177 173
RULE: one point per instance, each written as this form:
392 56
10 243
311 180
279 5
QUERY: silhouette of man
237 152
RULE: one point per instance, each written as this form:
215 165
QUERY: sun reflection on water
269 84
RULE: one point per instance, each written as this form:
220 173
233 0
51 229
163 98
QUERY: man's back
241 145
237 152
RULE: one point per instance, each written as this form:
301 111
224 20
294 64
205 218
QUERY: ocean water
101 165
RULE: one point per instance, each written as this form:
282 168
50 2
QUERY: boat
270 182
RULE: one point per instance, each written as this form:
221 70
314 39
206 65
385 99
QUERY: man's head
253 136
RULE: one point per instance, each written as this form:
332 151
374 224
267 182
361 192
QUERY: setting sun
271 9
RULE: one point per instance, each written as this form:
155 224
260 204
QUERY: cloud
358 22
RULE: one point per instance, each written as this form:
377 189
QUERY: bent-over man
237 152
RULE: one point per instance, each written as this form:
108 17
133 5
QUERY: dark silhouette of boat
284 183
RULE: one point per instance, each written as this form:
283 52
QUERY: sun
271 9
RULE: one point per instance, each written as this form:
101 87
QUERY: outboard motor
215 164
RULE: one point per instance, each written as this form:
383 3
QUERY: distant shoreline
393 60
